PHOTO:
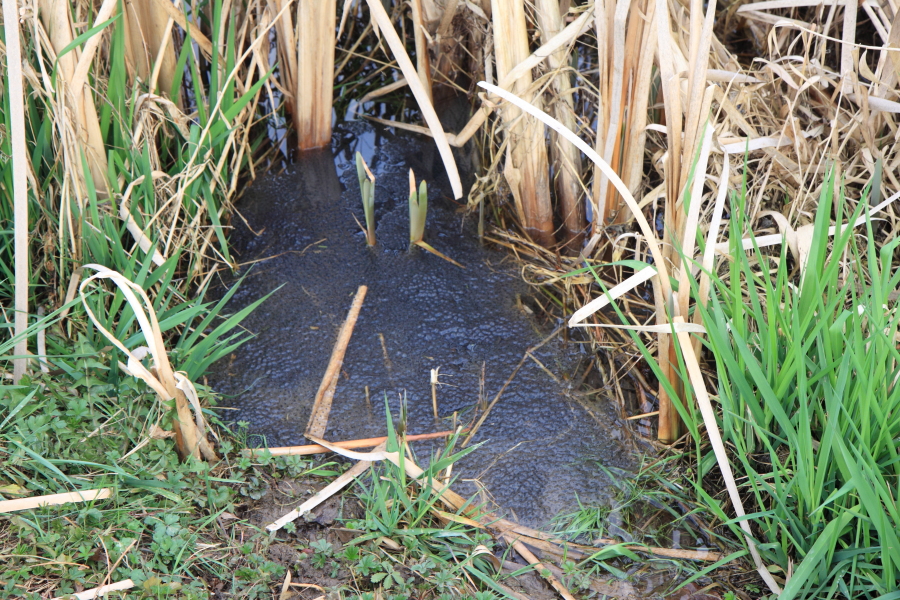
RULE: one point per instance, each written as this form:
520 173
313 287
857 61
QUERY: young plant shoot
418 210
367 191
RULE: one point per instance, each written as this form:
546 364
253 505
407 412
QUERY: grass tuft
807 367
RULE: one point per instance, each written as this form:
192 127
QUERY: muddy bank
541 447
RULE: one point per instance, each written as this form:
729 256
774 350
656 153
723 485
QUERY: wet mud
541 449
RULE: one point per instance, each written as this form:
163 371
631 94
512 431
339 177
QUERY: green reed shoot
367 191
418 209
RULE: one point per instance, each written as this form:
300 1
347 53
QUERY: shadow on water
541 448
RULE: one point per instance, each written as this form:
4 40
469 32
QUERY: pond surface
541 449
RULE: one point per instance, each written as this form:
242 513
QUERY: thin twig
505 385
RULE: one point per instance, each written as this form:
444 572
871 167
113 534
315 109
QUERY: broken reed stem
325 493
538 566
527 171
612 67
309 449
545 542
625 65
669 424
715 439
318 418
99 592
316 23
20 183
287 52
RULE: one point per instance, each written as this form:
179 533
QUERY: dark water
541 447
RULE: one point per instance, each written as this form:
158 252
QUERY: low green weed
443 555
650 509
79 430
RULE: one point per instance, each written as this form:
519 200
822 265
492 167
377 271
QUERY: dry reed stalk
529 556
558 547
610 18
423 64
16 93
316 22
643 35
434 384
8 506
432 11
178 16
526 169
325 493
146 35
625 64
715 438
566 158
287 55
449 50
